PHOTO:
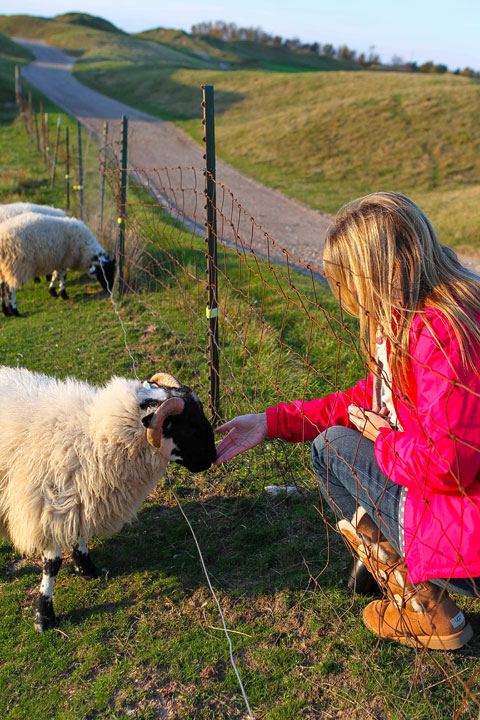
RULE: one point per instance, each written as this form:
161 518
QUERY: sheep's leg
63 292
5 304
82 562
12 301
51 287
44 615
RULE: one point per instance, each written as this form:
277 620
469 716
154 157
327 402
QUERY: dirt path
153 143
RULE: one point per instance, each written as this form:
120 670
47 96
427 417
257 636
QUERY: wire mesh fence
282 337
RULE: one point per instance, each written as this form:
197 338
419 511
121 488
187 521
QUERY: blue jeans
349 476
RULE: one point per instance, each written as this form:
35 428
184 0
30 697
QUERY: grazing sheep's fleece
18 208
77 460
33 244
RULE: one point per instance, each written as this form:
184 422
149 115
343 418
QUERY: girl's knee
332 439
323 444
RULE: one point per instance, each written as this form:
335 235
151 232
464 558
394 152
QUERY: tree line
231 32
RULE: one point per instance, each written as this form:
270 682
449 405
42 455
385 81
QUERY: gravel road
153 143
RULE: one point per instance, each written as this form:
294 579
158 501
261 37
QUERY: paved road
153 143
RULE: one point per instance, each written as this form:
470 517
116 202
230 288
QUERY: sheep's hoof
15 312
82 565
63 295
36 280
44 618
52 292
6 310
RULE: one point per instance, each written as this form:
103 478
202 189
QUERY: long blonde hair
384 262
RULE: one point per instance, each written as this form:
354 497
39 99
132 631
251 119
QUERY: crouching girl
398 455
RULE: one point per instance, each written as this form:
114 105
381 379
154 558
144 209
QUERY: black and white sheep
9 210
77 461
33 244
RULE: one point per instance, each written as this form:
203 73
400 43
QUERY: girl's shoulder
433 321
432 325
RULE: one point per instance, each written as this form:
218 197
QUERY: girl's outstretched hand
244 433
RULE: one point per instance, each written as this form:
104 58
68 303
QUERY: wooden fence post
55 156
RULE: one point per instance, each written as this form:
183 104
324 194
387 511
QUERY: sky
443 31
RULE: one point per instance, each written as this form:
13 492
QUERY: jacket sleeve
441 449
302 420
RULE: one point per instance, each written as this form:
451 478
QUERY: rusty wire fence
281 337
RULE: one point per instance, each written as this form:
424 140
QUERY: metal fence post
122 206
67 167
211 223
80 173
103 166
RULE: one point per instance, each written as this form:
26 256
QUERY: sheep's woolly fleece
11 209
74 460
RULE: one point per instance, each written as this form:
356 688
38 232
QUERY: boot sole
431 642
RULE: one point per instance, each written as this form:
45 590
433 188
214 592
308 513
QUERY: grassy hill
92 39
245 54
320 137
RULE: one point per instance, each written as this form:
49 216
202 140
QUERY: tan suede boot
420 615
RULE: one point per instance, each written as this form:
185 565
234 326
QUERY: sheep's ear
172 406
165 380
147 419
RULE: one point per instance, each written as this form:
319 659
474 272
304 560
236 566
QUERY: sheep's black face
192 434
105 273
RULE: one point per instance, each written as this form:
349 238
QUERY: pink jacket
436 456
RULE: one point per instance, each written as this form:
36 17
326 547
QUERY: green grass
142 640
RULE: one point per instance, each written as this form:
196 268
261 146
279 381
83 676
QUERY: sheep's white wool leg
44 615
51 287
63 292
82 562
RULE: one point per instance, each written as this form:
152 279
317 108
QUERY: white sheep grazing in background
9 210
77 461
33 244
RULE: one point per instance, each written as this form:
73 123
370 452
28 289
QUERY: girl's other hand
368 422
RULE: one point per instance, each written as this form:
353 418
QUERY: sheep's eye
150 402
